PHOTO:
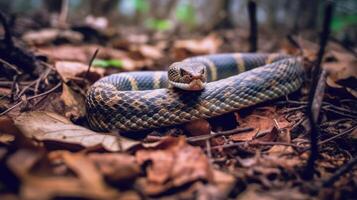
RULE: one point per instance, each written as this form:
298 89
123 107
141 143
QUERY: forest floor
261 152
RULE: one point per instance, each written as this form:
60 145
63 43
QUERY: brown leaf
7 130
89 183
76 70
262 120
116 167
185 48
253 192
47 36
46 126
74 103
343 72
173 164
22 161
149 51
198 127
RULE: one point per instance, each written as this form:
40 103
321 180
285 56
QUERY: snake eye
184 73
202 71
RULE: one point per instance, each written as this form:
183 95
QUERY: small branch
342 170
316 94
203 137
63 14
253 35
218 134
240 144
10 66
91 62
295 44
331 138
30 98
338 135
45 93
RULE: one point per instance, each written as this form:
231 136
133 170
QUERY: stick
91 62
342 170
30 98
314 94
253 37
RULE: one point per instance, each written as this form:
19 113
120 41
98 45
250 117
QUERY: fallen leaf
27 157
46 126
185 48
76 70
148 51
87 172
262 120
343 72
116 167
198 127
7 130
172 164
253 192
89 183
84 53
47 36
74 103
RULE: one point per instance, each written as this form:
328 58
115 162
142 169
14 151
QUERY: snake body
133 101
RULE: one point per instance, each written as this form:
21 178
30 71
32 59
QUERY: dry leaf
185 48
262 120
7 130
343 73
198 127
47 36
74 103
89 183
173 164
76 70
46 126
116 167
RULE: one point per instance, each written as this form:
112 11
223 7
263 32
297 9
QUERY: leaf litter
47 147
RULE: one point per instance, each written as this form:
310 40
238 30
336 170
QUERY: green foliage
158 24
341 22
141 5
185 13
108 63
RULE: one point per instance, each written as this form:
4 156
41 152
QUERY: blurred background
279 17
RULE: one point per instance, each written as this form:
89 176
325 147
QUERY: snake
199 87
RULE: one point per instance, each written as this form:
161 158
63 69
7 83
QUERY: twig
63 14
313 110
239 144
295 44
199 138
12 67
91 62
208 147
332 138
30 98
276 143
45 93
342 170
218 134
338 135
253 36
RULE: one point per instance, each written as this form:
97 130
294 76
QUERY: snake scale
135 101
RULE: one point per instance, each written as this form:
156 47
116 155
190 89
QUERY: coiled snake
132 101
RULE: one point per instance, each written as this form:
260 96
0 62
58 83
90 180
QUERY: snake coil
132 101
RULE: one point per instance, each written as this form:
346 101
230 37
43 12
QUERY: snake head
188 75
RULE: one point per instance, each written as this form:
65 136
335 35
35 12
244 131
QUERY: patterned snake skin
132 101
